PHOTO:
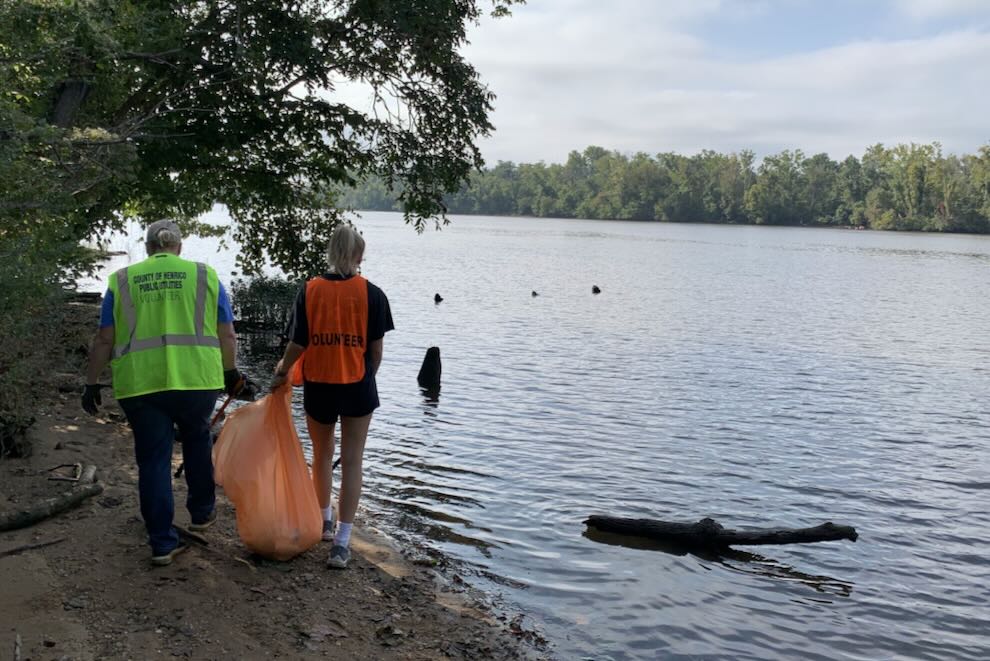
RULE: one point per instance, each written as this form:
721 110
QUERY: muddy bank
92 593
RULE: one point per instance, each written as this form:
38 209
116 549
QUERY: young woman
337 328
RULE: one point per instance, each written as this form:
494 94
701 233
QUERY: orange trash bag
259 463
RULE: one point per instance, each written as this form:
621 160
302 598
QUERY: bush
32 311
263 307
263 303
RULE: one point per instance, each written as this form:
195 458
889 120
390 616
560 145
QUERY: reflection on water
431 399
749 374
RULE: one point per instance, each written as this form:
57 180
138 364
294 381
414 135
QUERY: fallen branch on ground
76 472
710 533
49 507
202 542
31 547
190 535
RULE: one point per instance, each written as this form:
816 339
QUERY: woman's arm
375 350
289 358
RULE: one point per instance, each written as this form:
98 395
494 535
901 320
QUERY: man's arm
228 344
99 354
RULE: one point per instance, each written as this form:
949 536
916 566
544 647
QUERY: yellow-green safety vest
165 327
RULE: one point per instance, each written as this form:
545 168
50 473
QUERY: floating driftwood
86 488
710 533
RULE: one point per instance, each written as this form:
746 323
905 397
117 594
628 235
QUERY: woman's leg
353 434
321 436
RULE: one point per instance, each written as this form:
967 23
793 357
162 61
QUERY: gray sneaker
204 525
328 527
165 559
339 555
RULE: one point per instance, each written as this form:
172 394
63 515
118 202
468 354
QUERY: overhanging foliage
114 109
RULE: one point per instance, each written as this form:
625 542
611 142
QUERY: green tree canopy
907 187
116 109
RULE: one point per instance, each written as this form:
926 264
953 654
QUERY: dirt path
95 595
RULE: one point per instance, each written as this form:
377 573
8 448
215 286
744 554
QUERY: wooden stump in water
710 533
429 373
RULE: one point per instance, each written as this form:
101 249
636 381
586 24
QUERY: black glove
249 390
91 398
232 382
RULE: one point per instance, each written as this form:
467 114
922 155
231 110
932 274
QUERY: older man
166 327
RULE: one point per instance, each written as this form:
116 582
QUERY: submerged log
710 533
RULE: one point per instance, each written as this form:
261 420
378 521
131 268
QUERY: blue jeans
153 419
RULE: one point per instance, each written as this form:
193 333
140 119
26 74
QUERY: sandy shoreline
93 593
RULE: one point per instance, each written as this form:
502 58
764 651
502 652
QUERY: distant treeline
906 187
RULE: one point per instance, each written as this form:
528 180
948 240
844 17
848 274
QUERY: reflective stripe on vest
200 339
337 319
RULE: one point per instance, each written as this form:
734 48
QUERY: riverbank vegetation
119 110
905 187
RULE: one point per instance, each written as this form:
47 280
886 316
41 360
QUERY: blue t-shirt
224 314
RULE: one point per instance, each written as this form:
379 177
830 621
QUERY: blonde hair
345 250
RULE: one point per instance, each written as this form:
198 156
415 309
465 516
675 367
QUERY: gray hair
345 250
162 235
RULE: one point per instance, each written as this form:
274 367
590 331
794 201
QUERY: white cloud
925 9
634 76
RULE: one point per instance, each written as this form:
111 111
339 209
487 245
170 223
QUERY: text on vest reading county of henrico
149 282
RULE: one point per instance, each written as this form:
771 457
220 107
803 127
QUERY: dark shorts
325 402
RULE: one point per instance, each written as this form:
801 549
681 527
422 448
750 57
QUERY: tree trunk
710 533
68 100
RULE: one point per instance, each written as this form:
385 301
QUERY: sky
653 76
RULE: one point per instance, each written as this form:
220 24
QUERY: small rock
390 635
75 603
332 629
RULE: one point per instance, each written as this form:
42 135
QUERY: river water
761 376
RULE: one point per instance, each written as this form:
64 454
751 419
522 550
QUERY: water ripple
765 377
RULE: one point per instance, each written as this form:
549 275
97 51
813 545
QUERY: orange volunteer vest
337 316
